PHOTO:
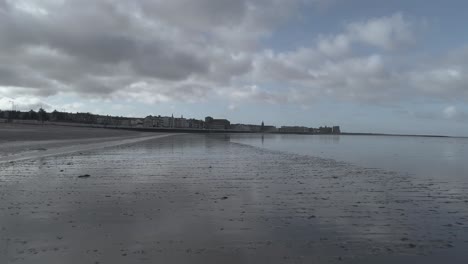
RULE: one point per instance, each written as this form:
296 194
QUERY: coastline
395 135
23 142
212 131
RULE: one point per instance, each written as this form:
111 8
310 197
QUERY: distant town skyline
152 123
366 65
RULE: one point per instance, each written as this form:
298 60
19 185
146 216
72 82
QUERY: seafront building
294 129
246 127
253 128
156 122
220 124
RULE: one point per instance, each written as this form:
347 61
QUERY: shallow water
421 157
206 199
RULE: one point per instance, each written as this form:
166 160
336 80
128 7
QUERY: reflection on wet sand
204 199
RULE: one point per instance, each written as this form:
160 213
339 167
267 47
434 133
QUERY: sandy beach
203 199
22 142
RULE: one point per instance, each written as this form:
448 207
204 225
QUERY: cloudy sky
368 65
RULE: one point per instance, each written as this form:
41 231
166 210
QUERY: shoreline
36 151
22 142
215 131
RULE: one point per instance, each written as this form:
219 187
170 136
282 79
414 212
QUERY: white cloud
450 111
388 32
72 107
23 103
442 78
442 81
334 46
232 107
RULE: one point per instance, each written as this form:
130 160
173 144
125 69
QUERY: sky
384 66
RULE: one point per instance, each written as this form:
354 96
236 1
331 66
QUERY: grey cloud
443 78
280 71
243 93
31 82
87 35
3 6
223 69
97 47
154 91
192 92
167 63
184 50
88 42
196 15
367 79
100 86
450 113
8 76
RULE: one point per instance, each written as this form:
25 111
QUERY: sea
441 158
433 182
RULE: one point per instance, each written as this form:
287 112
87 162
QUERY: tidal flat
205 199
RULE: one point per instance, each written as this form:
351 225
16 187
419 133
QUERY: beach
194 198
21 142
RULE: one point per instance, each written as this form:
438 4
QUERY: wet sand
204 199
21 142
20 132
